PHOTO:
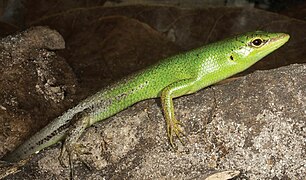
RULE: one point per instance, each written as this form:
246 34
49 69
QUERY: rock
255 124
35 84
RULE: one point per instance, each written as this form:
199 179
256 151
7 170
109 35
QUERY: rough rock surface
34 83
255 124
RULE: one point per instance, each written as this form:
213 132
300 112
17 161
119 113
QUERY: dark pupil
257 42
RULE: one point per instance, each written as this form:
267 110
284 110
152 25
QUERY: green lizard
173 77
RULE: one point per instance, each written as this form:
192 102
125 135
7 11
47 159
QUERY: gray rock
35 83
255 124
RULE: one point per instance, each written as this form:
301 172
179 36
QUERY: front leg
173 90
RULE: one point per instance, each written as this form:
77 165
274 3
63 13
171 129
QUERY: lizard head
253 46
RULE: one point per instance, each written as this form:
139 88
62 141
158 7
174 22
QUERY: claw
81 121
70 151
61 157
174 129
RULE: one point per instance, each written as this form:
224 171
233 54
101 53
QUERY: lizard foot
174 129
71 149
70 145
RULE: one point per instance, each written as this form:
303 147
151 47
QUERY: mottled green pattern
182 74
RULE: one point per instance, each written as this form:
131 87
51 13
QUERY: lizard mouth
277 41
281 39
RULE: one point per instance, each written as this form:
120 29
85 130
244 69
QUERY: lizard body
173 77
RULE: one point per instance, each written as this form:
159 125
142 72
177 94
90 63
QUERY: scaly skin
173 77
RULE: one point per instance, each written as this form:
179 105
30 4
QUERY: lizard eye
257 42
